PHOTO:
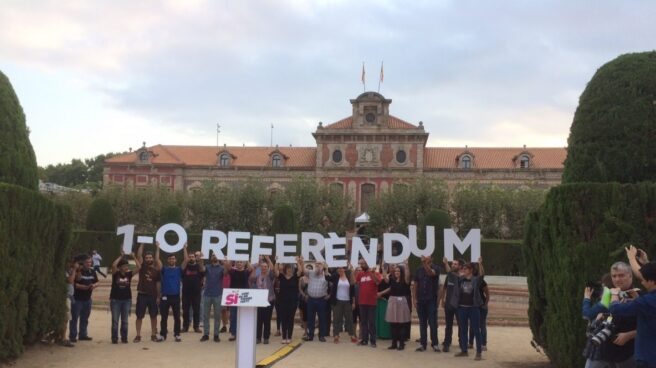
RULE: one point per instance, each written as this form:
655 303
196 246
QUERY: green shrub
573 238
17 159
34 241
612 136
101 216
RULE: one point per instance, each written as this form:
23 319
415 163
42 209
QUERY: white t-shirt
343 290
96 259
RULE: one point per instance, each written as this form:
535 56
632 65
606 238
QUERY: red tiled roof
494 158
394 123
206 156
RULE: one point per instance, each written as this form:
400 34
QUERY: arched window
143 156
224 160
276 160
524 162
466 162
367 195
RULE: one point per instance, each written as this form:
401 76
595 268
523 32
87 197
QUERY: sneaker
436 348
197 330
373 345
420 349
223 329
258 341
484 348
216 338
445 348
185 330
138 338
204 338
354 339
401 347
73 340
478 356
159 338
363 343
266 342
114 341
232 338
393 347
124 341
177 338
85 338
308 338
461 354
322 339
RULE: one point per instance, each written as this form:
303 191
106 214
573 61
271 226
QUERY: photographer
611 339
644 309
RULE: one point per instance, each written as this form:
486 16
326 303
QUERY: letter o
166 247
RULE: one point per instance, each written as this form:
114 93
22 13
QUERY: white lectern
246 301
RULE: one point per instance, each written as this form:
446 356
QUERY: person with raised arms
171 279
426 286
192 284
239 276
86 281
149 270
120 296
368 281
264 281
288 279
212 297
342 297
398 311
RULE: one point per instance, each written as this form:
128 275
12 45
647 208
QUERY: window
276 160
337 156
370 117
224 160
400 156
466 162
367 195
143 156
337 188
524 162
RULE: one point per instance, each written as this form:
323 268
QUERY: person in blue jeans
485 294
467 299
85 282
317 296
212 293
120 297
427 284
170 299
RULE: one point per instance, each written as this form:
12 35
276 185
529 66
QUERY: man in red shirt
368 281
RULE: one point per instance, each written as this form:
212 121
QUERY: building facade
362 155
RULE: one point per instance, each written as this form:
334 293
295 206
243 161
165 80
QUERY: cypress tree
17 159
614 129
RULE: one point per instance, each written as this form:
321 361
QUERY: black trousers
398 333
449 314
368 323
173 302
264 322
287 312
191 301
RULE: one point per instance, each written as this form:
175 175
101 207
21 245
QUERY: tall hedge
614 129
101 216
575 236
17 159
34 241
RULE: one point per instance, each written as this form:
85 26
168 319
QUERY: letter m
473 240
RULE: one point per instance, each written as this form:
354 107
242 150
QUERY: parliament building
362 155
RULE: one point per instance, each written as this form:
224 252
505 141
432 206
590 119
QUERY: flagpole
380 78
364 79
271 145
218 130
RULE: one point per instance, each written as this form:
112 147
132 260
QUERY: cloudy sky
101 76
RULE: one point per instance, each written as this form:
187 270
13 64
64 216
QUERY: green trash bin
383 330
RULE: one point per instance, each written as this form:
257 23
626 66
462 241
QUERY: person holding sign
192 279
467 298
120 297
171 278
149 270
212 297
427 284
288 296
86 281
398 312
368 281
342 297
238 280
264 281
317 297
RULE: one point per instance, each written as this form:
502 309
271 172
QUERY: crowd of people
622 319
377 300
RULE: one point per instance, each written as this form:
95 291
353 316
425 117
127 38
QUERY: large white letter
315 249
473 240
166 247
207 245
257 250
128 237
332 252
234 246
430 241
388 238
282 248
359 249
